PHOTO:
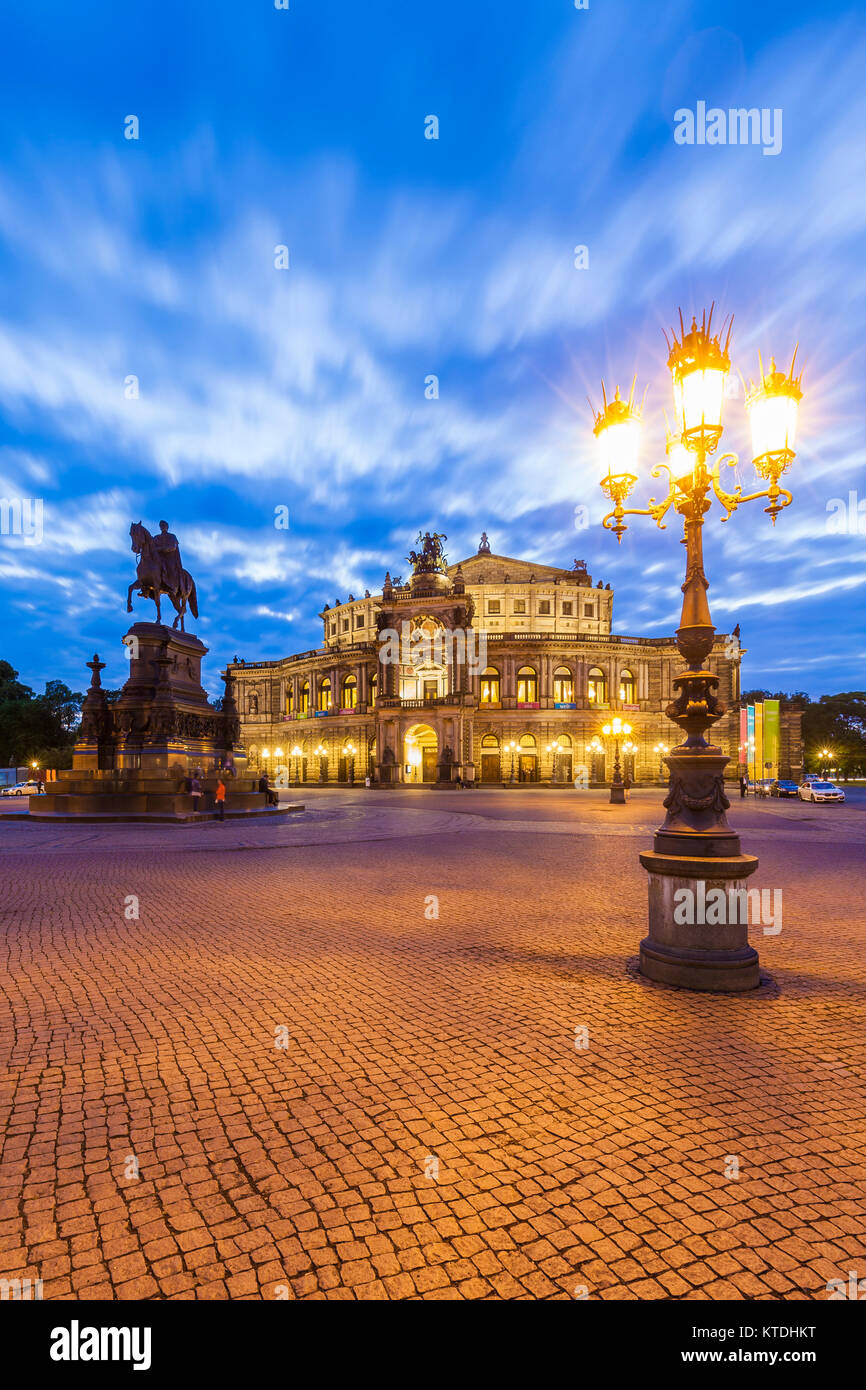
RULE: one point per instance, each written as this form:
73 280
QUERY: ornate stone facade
554 673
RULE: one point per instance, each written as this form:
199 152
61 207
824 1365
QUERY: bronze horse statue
149 578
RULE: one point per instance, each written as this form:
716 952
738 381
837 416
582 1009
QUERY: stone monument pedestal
134 756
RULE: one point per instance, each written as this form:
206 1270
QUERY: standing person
195 792
220 796
744 787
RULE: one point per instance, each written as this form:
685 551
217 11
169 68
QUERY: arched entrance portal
419 754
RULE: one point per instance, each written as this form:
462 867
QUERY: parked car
782 787
820 791
21 789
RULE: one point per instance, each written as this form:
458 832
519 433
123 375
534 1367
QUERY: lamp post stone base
685 949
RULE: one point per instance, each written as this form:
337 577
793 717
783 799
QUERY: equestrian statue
160 572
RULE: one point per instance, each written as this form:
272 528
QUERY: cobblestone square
253 1062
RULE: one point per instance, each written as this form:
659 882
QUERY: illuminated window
305 698
490 686
596 687
527 686
350 693
374 686
324 694
563 686
290 700
627 688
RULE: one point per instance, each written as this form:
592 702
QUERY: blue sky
305 388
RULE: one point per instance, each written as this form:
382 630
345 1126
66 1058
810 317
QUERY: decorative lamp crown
699 362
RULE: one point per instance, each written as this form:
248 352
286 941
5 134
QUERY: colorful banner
759 742
743 750
772 742
750 739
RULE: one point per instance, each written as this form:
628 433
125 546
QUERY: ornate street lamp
695 842
662 749
554 748
297 752
349 751
595 747
322 754
511 748
825 756
628 751
618 729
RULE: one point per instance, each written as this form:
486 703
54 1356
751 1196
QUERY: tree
63 704
36 728
837 723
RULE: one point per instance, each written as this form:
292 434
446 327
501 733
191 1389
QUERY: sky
262 392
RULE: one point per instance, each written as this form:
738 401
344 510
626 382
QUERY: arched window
527 686
290 699
564 740
563 686
374 688
627 688
350 693
305 698
596 687
490 686
527 741
490 741
253 702
324 693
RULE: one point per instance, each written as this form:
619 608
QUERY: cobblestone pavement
246 1062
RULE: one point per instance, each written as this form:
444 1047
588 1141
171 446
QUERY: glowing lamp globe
617 433
699 364
773 406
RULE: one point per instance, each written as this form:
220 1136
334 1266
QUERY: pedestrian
744 787
195 792
220 797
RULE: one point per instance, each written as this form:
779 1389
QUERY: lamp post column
695 845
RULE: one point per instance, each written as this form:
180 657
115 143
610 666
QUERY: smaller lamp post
595 749
322 755
555 749
628 751
349 751
296 766
511 748
825 763
662 750
617 729
265 755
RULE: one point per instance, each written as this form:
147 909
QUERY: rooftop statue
160 571
431 557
